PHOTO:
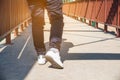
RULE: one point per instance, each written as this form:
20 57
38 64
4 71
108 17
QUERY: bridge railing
14 15
106 12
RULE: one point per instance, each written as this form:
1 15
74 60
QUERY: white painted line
20 54
2 48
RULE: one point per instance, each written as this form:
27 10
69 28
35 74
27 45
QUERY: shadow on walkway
12 68
85 56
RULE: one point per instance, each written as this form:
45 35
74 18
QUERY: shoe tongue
55 51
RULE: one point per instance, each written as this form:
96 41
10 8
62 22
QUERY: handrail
13 15
100 11
12 29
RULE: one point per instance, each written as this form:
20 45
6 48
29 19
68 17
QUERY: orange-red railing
100 11
14 14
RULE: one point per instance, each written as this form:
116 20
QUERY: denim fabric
54 8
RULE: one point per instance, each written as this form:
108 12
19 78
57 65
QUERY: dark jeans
54 8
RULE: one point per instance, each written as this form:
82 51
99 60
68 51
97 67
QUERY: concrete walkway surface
87 54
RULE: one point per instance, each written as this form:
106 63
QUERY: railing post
96 24
21 28
16 32
118 32
105 28
84 20
118 18
81 19
90 22
8 39
26 23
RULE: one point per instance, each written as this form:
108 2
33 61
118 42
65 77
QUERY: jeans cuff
55 43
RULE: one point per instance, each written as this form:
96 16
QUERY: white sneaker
54 58
41 59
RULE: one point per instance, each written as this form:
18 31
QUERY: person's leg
54 8
37 14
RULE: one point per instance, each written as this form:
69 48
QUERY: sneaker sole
53 62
